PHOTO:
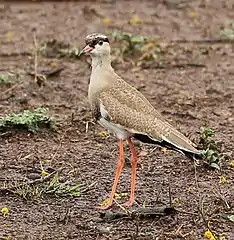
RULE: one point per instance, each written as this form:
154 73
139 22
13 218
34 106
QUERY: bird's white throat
101 62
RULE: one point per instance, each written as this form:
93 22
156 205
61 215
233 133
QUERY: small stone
34 176
104 230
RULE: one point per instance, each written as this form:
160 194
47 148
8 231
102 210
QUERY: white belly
120 132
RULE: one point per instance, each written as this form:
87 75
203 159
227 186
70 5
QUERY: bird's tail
194 155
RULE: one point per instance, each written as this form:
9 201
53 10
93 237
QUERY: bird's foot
129 203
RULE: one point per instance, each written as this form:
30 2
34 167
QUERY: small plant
55 48
31 120
144 46
4 78
210 152
229 32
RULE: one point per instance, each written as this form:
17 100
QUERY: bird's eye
100 43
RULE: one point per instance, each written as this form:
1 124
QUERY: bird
122 109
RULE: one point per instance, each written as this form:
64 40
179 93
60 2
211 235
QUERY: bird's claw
129 203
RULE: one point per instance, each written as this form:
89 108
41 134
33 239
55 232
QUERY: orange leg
134 164
117 175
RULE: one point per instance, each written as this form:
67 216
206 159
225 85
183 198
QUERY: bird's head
97 44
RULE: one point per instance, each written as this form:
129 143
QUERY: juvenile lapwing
122 109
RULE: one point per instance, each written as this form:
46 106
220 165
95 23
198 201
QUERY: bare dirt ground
189 97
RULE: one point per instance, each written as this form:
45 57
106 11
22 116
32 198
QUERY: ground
189 97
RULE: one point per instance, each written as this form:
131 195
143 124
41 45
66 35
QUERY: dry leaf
44 173
5 211
232 163
10 36
222 180
164 150
135 20
193 15
102 134
106 21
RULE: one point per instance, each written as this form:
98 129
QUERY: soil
189 97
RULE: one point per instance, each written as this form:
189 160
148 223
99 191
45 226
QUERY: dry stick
35 54
170 198
200 208
60 144
15 54
218 193
123 208
210 41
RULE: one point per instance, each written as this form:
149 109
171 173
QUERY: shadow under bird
122 109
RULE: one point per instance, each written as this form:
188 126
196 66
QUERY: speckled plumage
127 109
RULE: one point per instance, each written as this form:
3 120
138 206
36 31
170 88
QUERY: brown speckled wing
129 108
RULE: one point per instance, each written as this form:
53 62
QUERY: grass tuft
31 120
62 189
4 78
50 185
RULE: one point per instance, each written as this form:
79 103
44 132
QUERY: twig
169 66
200 207
185 212
149 212
60 144
9 89
15 54
35 54
86 189
170 198
123 208
218 194
210 41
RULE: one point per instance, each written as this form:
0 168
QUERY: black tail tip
194 156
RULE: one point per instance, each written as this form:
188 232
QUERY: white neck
101 62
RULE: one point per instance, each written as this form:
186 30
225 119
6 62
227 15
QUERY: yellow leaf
193 15
175 200
164 150
190 189
105 202
208 234
53 64
232 163
5 211
148 46
44 173
10 36
222 180
102 134
120 195
106 21
135 20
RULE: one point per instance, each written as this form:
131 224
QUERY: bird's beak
86 50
